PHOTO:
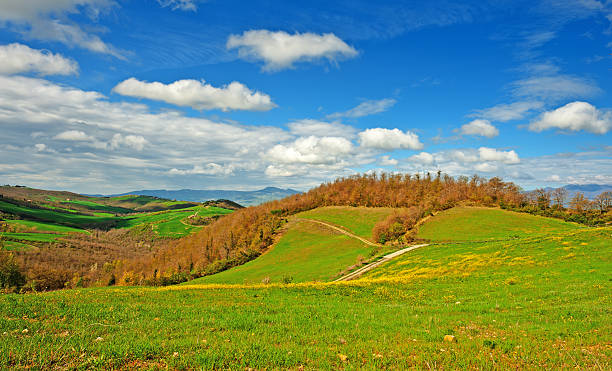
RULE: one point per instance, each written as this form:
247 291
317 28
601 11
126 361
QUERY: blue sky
102 96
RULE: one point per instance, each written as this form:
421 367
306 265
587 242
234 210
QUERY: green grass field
358 220
307 252
15 246
473 224
165 223
52 216
98 207
170 223
40 226
538 301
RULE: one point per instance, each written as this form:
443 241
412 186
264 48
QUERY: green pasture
306 252
473 224
529 313
358 220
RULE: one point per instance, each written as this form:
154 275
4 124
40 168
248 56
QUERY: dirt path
343 231
372 265
384 259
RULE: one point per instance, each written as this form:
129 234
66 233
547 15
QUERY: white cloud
136 142
387 139
179 4
308 127
575 116
208 169
198 95
422 158
508 112
486 167
366 108
281 171
48 20
40 147
461 156
492 154
555 87
311 150
387 161
481 128
74 136
18 58
280 50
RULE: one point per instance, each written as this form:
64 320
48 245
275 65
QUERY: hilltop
245 198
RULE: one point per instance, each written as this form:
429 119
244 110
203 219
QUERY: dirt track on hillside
368 267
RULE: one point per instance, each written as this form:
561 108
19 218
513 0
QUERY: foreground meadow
538 303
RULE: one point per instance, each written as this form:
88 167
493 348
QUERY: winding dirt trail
343 231
368 267
384 259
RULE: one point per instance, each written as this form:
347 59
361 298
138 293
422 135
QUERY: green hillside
310 251
307 252
473 224
35 217
524 293
357 220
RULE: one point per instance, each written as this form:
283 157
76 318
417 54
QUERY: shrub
11 276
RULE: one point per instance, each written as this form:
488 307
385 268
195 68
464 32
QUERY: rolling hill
508 290
246 198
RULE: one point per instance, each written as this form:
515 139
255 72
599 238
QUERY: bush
396 226
11 276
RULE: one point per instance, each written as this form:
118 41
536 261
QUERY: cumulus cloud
311 150
173 140
48 20
280 50
481 128
386 139
136 142
308 127
508 112
198 94
39 147
366 108
492 154
486 167
422 158
208 169
18 58
575 116
387 161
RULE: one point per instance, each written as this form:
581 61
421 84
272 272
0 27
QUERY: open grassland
306 252
171 223
168 224
530 316
40 226
52 216
16 246
537 301
90 205
479 223
357 220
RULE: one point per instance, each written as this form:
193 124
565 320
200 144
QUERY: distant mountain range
244 198
590 190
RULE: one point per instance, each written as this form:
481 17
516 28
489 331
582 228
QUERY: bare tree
559 195
604 201
579 203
